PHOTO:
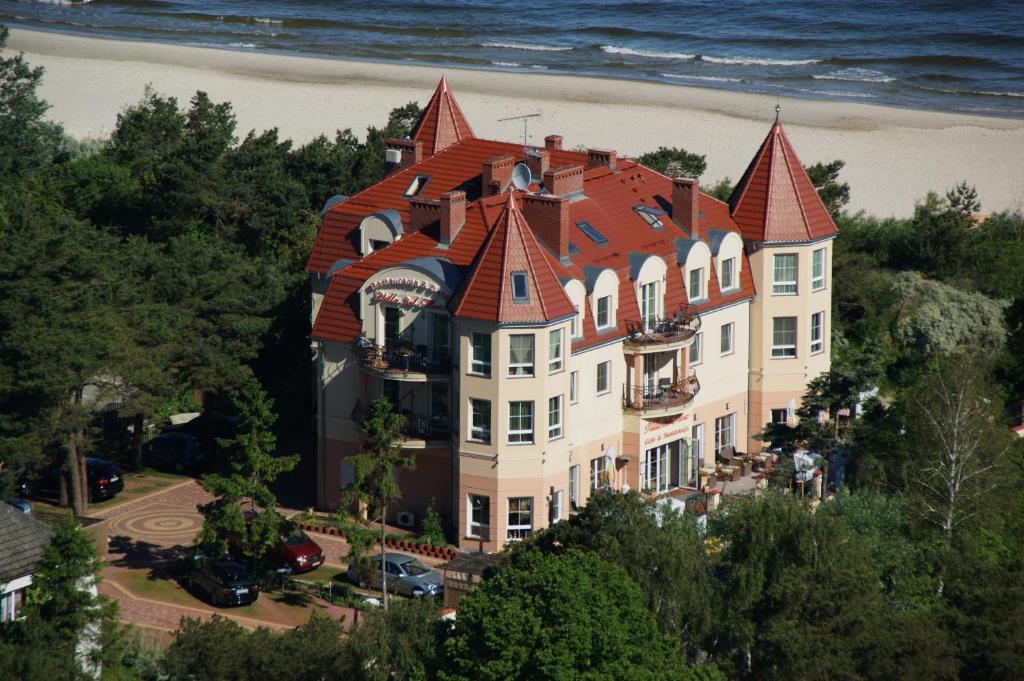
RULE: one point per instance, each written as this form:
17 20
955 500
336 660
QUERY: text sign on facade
406 292
658 432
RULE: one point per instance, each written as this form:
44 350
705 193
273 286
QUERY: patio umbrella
791 419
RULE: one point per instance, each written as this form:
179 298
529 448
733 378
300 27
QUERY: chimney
686 205
538 160
423 212
553 142
497 170
401 153
548 217
564 181
453 215
601 157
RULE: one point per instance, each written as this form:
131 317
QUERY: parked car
174 450
104 480
406 575
224 583
295 552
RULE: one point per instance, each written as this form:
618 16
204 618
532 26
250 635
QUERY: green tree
402 643
252 467
825 178
721 190
674 162
963 199
374 469
568 616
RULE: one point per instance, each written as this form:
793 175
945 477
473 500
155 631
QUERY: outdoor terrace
662 333
667 399
402 362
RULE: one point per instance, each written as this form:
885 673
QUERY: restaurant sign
667 430
406 292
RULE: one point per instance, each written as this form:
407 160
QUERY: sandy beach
893 156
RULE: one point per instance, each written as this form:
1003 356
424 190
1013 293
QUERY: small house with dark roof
22 540
592 324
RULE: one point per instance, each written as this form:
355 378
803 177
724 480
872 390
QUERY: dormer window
728 274
519 292
416 186
696 290
652 216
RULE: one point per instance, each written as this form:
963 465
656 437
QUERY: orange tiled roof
442 123
512 247
775 200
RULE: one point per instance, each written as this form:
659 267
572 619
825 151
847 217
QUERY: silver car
406 575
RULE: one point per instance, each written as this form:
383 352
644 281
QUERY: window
817 332
574 379
727 334
555 350
555 417
784 274
651 216
592 233
520 359
10 604
728 274
481 363
520 422
479 516
439 401
377 244
604 370
696 290
574 486
598 473
649 304
604 312
818 270
555 508
574 326
439 337
520 517
519 293
393 391
697 438
725 432
654 470
695 349
480 421
392 322
417 185
780 415
784 337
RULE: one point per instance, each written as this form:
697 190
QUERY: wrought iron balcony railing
665 396
681 326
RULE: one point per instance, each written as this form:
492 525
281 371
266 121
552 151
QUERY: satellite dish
521 176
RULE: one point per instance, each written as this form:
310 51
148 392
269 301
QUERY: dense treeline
168 259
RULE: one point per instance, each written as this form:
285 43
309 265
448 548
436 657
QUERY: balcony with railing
659 334
665 399
417 431
402 362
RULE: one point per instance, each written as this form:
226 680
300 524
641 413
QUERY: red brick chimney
686 205
601 157
548 217
496 170
553 142
408 153
423 212
538 161
564 181
453 215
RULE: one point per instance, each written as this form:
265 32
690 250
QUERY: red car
294 552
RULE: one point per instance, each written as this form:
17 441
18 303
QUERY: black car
224 583
174 450
104 480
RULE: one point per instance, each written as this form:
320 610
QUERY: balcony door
392 326
439 338
649 305
650 375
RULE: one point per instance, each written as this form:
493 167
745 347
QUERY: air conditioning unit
393 156
406 519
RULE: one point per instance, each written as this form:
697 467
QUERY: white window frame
725 425
522 369
696 285
519 276
729 266
556 416
574 485
818 269
555 508
655 460
598 470
609 320
574 387
555 351
473 528
521 436
479 433
649 304
518 531
728 332
698 344
785 287
479 367
607 377
817 322
784 350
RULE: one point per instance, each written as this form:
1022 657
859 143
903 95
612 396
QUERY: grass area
322 574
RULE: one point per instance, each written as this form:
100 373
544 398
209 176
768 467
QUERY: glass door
439 343
650 375
649 305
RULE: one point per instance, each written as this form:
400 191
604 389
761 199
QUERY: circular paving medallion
158 524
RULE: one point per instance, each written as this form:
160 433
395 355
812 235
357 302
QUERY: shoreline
893 155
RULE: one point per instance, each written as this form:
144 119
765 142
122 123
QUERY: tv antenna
525 118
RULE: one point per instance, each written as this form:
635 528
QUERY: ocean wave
652 54
242 46
757 61
58 2
260 20
511 64
525 46
713 79
835 93
976 93
855 75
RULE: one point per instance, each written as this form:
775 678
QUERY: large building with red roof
553 321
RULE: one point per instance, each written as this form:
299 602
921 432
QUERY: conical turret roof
512 248
775 200
442 123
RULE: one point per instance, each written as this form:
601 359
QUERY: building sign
406 292
658 432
